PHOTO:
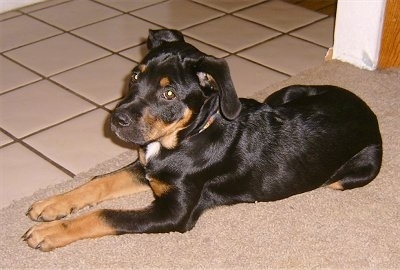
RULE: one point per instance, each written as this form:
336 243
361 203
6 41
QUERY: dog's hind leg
359 170
126 181
294 92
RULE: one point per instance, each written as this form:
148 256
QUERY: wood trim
389 55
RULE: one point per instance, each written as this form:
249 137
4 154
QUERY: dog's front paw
47 236
50 209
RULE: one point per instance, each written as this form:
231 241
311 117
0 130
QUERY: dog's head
175 87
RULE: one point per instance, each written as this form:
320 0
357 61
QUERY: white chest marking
152 149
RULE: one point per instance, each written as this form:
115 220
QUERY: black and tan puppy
201 147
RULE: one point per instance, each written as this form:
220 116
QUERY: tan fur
165 133
142 156
50 235
165 82
100 189
159 188
336 186
142 68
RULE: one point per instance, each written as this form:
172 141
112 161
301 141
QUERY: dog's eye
169 94
135 76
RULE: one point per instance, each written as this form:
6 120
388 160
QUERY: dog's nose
122 119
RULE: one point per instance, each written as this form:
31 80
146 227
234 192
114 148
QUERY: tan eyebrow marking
165 82
142 68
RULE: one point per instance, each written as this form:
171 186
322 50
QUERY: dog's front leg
161 216
50 235
126 181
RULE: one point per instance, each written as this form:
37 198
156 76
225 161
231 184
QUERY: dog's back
304 137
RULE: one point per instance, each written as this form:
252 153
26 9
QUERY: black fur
234 150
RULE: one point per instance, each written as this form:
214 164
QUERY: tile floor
64 64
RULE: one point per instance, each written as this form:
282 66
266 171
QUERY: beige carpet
321 229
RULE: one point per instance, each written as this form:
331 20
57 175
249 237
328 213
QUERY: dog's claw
26 235
28 211
39 246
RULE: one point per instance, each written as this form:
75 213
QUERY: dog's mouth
122 125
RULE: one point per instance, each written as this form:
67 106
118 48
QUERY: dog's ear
210 71
158 37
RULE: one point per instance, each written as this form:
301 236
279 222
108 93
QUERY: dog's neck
152 149
209 121
205 118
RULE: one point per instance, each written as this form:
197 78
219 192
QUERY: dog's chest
152 150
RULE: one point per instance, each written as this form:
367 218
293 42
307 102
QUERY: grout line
81 65
266 67
39 9
13 138
74 93
55 164
127 12
308 24
58 123
33 42
16 140
233 11
316 44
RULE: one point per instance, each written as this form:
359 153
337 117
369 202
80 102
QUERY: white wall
358 31
6 5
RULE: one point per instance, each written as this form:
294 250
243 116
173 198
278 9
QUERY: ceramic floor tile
4 139
312 4
111 106
42 5
320 32
131 31
13 75
228 5
101 81
329 10
249 77
127 6
78 144
56 54
177 14
75 14
206 48
280 15
17 183
38 106
137 53
9 15
222 33
22 30
287 54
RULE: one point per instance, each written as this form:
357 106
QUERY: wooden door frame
389 55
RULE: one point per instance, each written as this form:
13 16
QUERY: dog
200 147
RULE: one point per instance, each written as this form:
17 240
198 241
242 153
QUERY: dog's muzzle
122 125
121 119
